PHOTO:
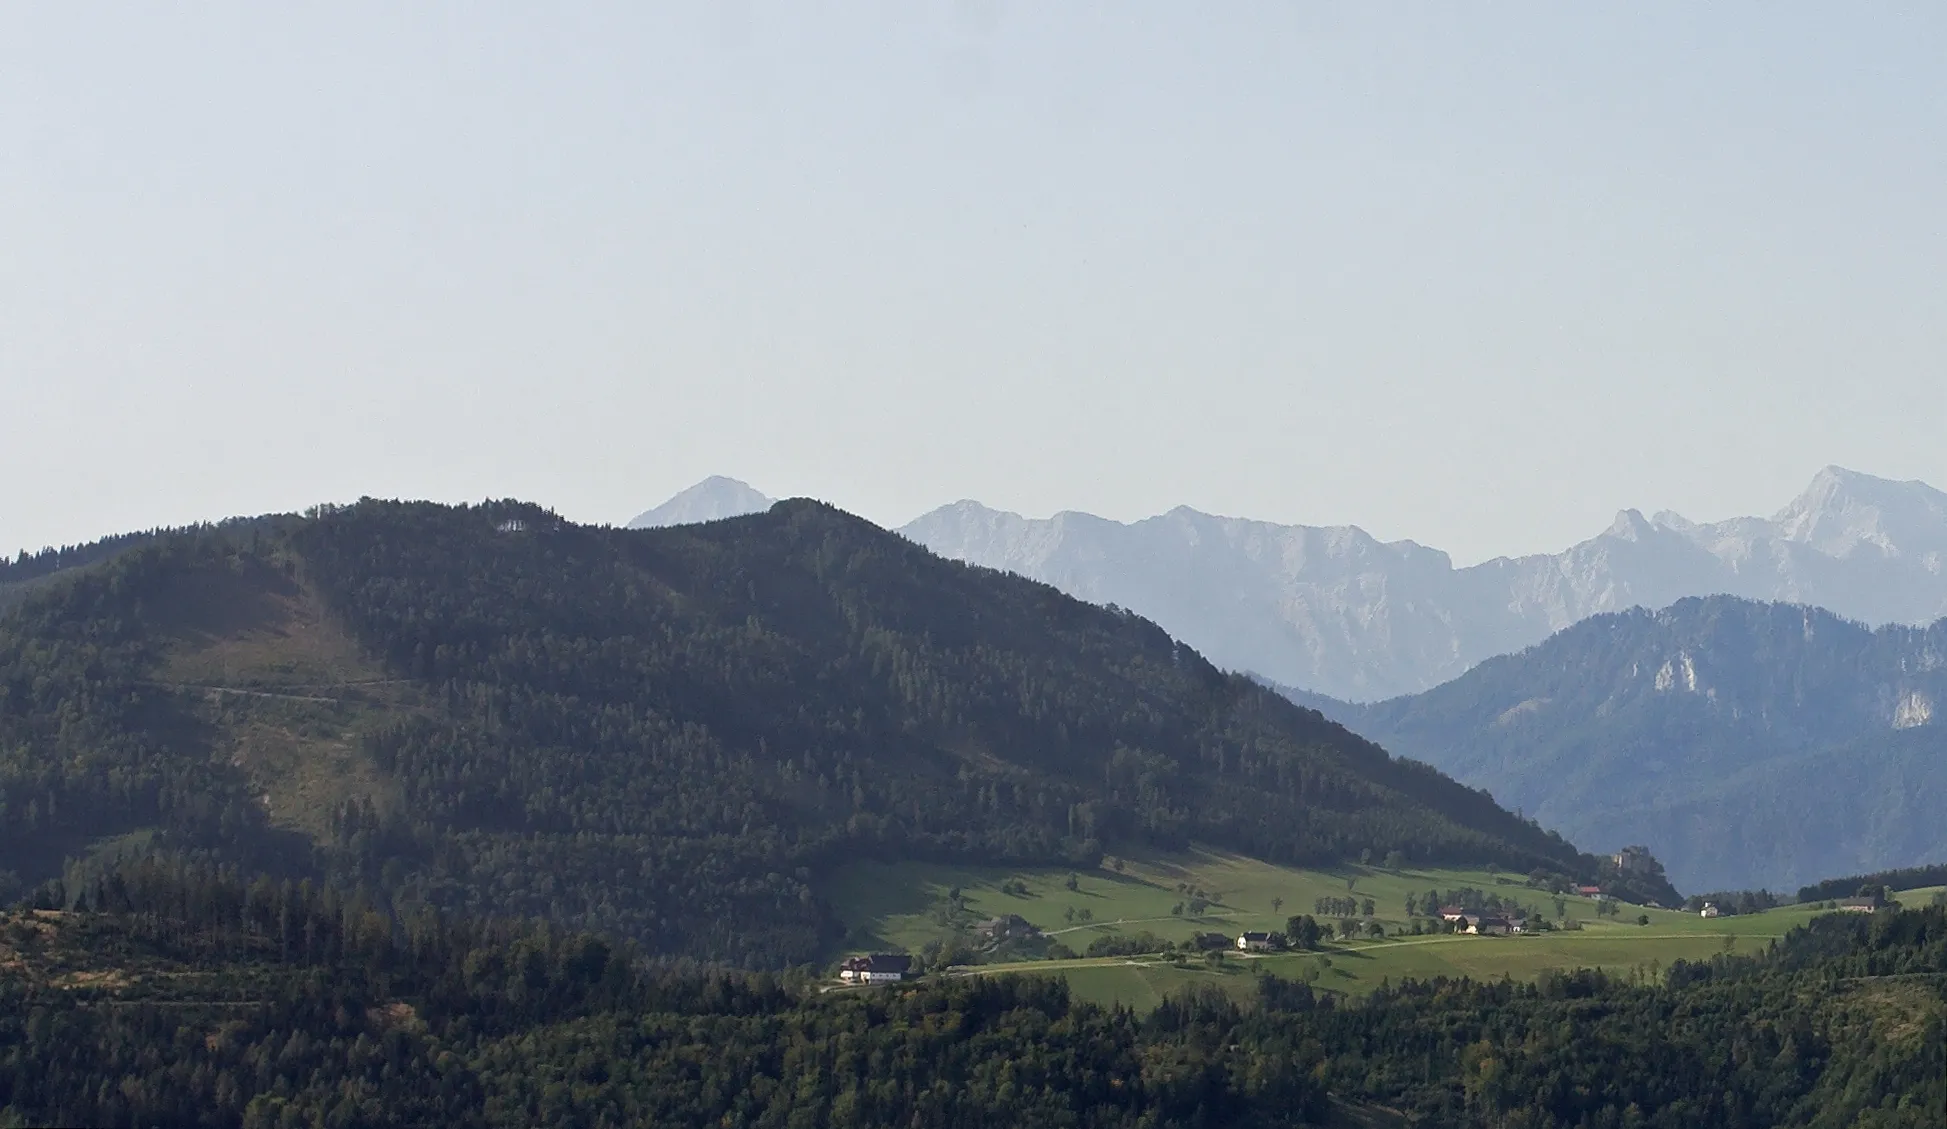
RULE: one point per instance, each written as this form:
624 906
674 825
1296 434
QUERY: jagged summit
1631 525
1333 610
1843 511
712 499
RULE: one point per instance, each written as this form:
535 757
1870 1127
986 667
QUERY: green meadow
904 906
1358 967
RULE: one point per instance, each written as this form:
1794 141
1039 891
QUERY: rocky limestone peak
1425 556
1844 511
1334 610
712 499
966 509
1344 541
1630 525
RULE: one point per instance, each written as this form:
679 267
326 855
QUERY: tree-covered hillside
22 575
668 734
1747 744
174 995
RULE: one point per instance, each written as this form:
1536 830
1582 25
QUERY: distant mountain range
1748 744
1748 738
1338 612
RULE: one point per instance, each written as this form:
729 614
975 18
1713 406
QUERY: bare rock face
1337 612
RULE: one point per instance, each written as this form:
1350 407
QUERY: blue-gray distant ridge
1336 611
1746 744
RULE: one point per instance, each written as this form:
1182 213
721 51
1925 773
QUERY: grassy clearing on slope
904 906
256 628
283 694
1920 896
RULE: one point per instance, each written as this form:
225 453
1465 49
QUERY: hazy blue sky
1476 275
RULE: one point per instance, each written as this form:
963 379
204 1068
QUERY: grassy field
1358 967
904 906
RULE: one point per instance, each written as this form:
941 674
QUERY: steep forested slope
1747 744
668 733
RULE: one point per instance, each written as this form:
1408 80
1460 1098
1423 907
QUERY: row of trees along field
179 995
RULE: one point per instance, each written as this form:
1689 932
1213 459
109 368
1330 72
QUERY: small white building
1710 910
1254 942
875 969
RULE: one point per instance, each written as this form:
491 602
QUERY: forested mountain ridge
1749 745
668 734
28 571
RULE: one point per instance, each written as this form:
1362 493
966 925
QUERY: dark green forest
18 576
666 735
27 566
181 996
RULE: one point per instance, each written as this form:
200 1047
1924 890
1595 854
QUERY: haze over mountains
1748 744
1713 729
1336 611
